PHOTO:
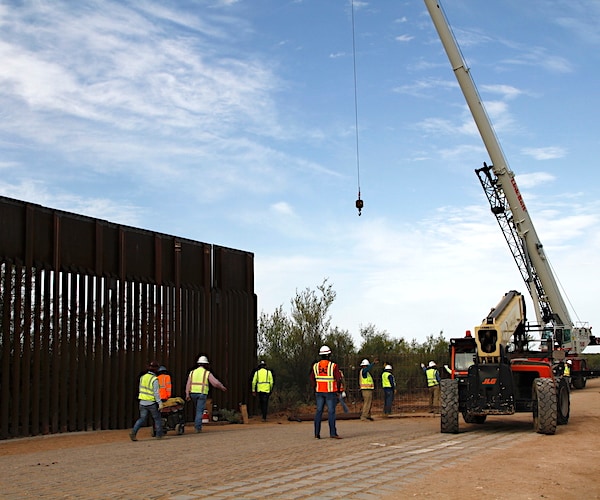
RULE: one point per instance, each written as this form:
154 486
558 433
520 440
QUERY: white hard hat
431 363
364 362
324 350
202 360
388 367
569 361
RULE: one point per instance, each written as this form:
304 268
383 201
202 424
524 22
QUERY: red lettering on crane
518 193
489 381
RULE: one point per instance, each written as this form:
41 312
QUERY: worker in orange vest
164 383
326 379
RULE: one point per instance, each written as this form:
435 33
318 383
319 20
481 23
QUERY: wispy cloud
533 179
547 153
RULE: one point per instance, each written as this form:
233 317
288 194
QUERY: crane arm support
505 178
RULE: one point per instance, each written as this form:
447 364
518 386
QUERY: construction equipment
489 376
554 324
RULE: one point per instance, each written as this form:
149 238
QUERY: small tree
291 343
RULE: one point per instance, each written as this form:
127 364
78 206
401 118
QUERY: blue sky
232 122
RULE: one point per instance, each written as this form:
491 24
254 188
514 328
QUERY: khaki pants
434 397
367 395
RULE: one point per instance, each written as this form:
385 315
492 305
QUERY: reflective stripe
323 371
431 378
146 392
199 378
385 380
365 382
262 380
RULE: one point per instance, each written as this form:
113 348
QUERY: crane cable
359 203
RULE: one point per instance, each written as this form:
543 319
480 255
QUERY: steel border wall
86 303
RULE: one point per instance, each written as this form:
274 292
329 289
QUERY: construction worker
262 384
433 384
149 402
164 383
567 371
389 388
367 387
196 389
326 379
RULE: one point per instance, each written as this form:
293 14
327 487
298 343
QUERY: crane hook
359 204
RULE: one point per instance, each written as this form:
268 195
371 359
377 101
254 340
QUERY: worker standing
262 384
433 384
567 371
196 389
149 402
367 387
326 379
164 383
389 388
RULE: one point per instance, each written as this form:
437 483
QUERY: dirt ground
563 466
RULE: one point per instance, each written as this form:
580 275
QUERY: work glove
160 406
422 365
343 394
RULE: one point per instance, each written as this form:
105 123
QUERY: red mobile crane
554 324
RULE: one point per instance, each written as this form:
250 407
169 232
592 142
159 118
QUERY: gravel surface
399 457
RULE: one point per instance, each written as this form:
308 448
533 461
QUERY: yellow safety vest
567 370
262 380
199 378
431 378
146 392
385 380
365 382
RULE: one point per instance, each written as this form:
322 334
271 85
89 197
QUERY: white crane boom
548 302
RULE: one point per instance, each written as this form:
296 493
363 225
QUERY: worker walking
389 389
149 402
367 387
165 385
326 379
197 386
433 384
262 384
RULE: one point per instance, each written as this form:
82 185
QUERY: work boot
132 436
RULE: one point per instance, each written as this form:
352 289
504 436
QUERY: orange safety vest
323 371
199 378
164 385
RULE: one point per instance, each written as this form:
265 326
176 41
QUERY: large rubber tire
449 406
469 418
563 401
544 406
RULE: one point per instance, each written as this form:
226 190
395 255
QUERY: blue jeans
388 398
200 402
144 411
331 399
